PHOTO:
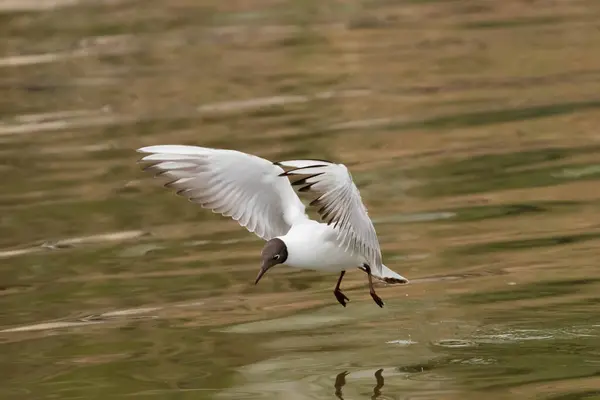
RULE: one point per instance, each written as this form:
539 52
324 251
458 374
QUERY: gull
260 196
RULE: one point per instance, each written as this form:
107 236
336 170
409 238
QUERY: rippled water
471 128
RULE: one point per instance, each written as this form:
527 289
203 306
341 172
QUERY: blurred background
471 128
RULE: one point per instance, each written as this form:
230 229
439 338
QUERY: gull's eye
276 257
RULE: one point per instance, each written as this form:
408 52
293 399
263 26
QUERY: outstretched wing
339 203
244 187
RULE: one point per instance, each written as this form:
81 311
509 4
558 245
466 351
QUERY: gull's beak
265 267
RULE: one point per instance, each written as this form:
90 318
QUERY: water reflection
379 385
340 382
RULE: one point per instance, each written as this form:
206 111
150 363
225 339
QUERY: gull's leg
341 297
376 298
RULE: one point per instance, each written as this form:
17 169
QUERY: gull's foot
377 299
341 297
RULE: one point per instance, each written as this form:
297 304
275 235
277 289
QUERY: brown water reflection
470 127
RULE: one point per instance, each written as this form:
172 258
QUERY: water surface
471 129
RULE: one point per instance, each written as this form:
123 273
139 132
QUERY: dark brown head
274 252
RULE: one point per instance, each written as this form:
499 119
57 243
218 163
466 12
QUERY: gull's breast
310 246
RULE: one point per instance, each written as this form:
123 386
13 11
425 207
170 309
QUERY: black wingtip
148 167
302 181
293 170
306 188
315 202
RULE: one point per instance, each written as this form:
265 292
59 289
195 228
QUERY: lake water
472 129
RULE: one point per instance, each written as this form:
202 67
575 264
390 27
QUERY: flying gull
259 195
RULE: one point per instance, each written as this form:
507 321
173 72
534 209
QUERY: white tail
387 275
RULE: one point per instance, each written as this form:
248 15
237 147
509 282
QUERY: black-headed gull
259 196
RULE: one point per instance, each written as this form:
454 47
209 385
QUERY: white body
312 245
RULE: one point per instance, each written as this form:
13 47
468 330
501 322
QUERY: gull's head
274 252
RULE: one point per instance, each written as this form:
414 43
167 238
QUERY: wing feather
246 188
339 203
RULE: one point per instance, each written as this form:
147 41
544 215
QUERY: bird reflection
377 388
340 381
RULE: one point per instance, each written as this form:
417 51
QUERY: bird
263 196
